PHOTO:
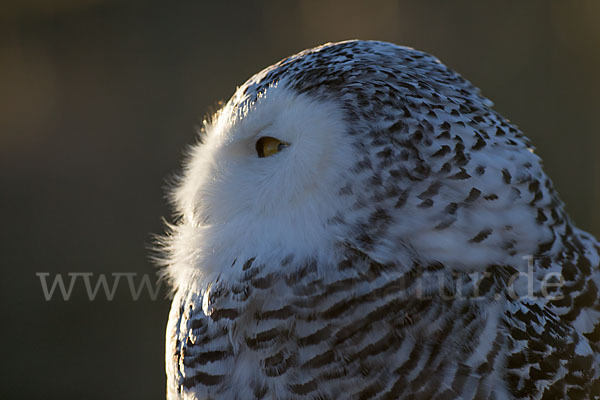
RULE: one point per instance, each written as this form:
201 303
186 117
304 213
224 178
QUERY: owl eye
267 146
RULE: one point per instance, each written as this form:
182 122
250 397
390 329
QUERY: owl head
363 144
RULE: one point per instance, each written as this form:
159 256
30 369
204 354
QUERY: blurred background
98 100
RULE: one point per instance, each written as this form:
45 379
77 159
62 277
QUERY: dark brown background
98 99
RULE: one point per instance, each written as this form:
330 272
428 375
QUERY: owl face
266 179
286 155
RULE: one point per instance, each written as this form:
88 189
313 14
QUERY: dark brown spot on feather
444 224
481 236
541 217
479 144
402 199
426 203
227 313
248 264
446 168
462 174
445 149
473 195
451 208
431 191
506 176
201 378
444 135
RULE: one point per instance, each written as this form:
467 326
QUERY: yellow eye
267 146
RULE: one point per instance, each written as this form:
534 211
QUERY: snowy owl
358 222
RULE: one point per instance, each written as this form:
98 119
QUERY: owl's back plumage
378 255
